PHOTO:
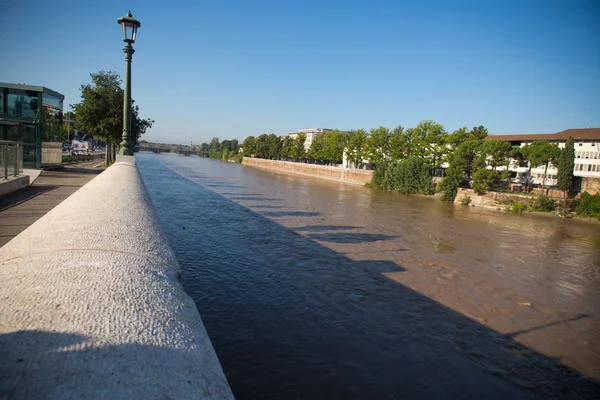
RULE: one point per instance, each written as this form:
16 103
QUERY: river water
315 289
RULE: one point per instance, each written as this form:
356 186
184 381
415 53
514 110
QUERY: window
577 154
580 144
586 154
589 167
595 156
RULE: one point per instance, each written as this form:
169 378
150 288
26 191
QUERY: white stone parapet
91 306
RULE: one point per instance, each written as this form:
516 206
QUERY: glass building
30 115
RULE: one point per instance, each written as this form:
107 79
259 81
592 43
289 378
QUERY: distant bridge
161 149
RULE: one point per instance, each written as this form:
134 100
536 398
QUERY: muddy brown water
317 289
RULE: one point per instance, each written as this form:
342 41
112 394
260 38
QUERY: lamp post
129 25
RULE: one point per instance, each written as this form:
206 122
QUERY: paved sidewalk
22 208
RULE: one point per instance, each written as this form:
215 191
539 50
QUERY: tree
249 146
139 126
498 152
299 150
214 148
378 145
334 142
397 145
262 146
356 147
274 146
467 157
483 178
566 165
287 147
428 141
410 176
541 152
100 112
234 145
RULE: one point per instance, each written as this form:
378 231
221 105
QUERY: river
315 289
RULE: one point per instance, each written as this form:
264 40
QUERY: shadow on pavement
17 197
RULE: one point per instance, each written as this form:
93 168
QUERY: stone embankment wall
492 200
51 154
590 185
92 306
340 174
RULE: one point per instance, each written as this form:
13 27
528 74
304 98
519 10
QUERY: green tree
249 146
410 176
566 165
541 152
215 148
262 146
287 147
234 145
100 111
378 145
274 146
356 147
397 145
483 179
498 152
333 151
316 151
139 126
299 150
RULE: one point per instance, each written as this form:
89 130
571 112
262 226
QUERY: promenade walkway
20 209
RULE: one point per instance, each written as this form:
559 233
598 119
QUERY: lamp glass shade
129 26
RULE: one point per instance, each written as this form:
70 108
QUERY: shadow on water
536 328
292 319
291 214
324 228
350 238
54 365
253 198
268 207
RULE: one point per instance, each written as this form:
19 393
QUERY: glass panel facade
36 113
52 108
21 105
30 146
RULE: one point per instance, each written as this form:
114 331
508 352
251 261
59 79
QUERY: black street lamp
129 26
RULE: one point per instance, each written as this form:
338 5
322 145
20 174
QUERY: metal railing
11 158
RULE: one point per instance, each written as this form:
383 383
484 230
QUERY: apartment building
310 133
587 153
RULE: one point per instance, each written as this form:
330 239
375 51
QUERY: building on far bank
587 153
311 134
31 115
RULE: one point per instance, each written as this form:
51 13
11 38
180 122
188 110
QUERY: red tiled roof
578 134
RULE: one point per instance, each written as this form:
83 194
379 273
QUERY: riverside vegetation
407 160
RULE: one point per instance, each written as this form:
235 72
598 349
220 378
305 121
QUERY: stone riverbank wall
340 174
92 306
493 200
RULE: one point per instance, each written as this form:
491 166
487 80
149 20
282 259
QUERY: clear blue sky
236 68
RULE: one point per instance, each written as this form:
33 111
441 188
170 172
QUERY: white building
587 153
311 134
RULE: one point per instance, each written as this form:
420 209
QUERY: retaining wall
51 154
493 200
92 306
349 175
590 185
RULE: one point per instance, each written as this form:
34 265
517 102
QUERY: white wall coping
92 306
